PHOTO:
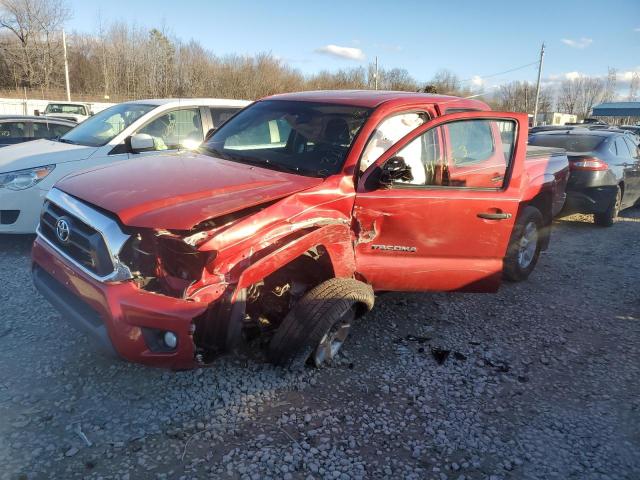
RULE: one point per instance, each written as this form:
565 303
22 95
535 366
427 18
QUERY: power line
499 73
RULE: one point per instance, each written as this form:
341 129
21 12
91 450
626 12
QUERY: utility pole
375 74
66 66
535 108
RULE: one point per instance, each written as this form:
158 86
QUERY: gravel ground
540 381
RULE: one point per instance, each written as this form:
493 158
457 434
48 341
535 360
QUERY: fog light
170 339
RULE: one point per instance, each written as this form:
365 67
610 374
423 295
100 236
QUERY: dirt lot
542 381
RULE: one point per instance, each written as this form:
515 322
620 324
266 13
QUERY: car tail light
588 163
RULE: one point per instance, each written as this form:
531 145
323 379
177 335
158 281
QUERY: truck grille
77 240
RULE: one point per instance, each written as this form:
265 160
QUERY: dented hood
177 192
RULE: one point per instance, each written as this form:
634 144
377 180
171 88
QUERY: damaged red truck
289 218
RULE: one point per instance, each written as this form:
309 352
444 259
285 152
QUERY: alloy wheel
332 341
528 245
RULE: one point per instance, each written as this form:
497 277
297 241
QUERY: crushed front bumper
115 314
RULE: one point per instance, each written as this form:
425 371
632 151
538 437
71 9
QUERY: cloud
572 75
636 29
347 53
583 42
477 81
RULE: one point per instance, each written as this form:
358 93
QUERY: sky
474 39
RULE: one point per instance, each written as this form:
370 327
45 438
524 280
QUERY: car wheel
524 245
317 326
608 217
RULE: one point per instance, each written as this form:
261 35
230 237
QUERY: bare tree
578 96
446 82
592 92
519 96
611 86
33 41
569 96
634 85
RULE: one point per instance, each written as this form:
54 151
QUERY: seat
337 132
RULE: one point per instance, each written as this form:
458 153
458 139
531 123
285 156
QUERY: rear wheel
524 245
317 326
608 217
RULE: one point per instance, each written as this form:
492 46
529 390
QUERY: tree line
121 62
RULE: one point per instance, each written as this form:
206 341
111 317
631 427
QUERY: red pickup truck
289 218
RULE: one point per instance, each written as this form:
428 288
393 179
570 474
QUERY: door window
49 130
463 154
635 149
220 115
387 133
470 142
623 150
176 129
268 134
10 132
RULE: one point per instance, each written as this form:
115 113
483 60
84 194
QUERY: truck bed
552 166
534 152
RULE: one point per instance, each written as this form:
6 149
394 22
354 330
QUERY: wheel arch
543 201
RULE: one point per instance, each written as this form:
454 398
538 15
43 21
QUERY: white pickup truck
74 111
126 131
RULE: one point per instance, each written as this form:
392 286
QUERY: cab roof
374 98
36 118
575 132
213 102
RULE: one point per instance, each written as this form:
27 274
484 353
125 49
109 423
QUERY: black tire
608 217
516 269
315 315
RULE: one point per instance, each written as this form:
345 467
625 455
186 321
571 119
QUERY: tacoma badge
395 248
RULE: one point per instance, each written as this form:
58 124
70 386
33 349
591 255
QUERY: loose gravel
539 381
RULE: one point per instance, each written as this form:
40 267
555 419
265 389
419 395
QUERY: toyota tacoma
288 219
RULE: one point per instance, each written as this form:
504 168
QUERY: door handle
494 216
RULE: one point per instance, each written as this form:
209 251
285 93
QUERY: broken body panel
218 249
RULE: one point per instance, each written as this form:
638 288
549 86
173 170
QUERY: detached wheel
606 218
317 326
524 245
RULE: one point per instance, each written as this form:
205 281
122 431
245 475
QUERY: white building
555 118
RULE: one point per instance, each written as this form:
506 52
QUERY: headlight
22 179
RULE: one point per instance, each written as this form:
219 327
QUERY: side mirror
36 113
210 133
141 142
395 170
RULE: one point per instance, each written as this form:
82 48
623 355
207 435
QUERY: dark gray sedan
23 128
605 171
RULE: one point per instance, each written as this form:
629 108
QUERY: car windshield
65 108
307 138
570 142
102 127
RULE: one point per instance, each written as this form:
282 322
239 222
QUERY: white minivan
122 132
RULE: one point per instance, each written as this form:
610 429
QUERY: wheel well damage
256 310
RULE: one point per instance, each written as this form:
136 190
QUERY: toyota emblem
62 230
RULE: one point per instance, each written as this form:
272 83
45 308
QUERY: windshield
102 127
570 142
65 108
301 137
